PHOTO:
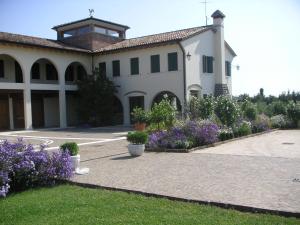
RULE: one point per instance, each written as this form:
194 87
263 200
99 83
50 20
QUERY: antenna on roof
91 12
205 5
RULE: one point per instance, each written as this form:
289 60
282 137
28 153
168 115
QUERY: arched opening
10 70
75 72
43 71
117 111
170 96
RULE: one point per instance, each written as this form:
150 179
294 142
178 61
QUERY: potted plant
137 140
73 150
140 118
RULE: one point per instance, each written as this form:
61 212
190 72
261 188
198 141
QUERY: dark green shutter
172 61
134 65
1 68
204 62
116 68
155 64
210 64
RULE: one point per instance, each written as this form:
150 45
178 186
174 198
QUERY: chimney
221 87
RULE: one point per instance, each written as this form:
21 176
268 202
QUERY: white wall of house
229 57
145 84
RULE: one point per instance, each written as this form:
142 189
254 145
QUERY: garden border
206 146
240 208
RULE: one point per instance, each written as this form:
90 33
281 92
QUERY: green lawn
68 204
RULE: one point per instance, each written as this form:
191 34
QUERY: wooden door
4 114
37 105
18 109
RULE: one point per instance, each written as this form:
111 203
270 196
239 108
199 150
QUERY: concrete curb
206 146
240 208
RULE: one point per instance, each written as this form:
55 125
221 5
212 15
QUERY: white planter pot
136 150
75 162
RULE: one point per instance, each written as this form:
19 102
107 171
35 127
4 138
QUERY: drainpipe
184 76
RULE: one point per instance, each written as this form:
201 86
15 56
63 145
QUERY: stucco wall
145 84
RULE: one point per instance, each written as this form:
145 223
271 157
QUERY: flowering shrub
21 167
202 108
242 129
278 121
226 134
227 110
188 135
293 113
262 123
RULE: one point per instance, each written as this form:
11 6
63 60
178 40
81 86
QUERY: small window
173 61
134 65
207 64
116 68
51 73
228 68
194 93
102 69
1 69
35 71
155 64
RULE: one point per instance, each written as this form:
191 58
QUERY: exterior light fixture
188 56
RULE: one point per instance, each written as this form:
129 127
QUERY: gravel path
259 178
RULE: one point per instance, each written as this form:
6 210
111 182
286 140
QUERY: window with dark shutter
35 71
207 62
102 69
116 68
134 65
172 61
155 64
228 68
1 69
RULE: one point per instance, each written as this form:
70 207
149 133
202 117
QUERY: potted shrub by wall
73 149
137 140
140 118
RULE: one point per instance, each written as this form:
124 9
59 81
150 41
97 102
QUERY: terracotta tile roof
35 41
154 39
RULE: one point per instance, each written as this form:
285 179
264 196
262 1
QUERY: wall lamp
188 56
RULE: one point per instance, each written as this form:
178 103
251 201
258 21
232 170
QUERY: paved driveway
261 172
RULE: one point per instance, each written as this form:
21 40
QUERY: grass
67 204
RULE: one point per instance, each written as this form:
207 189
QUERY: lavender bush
22 167
188 135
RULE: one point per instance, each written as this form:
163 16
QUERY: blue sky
264 33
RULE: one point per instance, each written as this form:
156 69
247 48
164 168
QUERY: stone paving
246 172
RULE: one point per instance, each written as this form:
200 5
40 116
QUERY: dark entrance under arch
170 96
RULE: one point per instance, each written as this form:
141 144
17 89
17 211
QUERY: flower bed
22 167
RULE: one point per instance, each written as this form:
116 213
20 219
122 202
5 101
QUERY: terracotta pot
140 126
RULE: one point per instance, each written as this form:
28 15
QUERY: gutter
184 75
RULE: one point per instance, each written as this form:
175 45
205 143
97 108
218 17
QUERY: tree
96 94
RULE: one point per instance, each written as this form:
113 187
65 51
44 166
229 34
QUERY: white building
37 75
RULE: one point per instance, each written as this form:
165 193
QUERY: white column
27 108
11 113
62 108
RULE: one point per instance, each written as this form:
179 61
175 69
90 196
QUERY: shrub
202 108
242 129
188 135
262 123
163 114
22 167
137 137
293 112
139 115
278 121
72 147
227 110
249 110
278 108
226 134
